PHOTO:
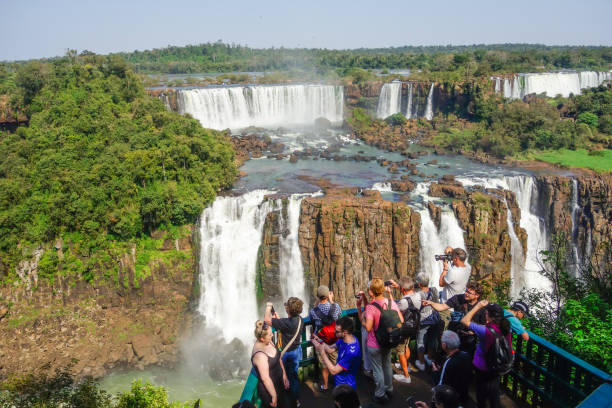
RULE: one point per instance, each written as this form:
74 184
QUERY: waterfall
390 100
574 211
429 109
291 269
262 105
551 83
518 259
231 231
434 240
537 237
409 106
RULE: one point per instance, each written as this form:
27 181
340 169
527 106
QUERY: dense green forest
99 164
482 59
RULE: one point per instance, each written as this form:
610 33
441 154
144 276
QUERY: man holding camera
455 276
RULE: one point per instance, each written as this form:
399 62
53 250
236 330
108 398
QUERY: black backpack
389 331
499 356
412 320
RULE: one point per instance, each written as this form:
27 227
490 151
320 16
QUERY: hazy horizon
39 29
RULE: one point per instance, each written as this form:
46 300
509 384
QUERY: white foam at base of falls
390 100
231 230
382 187
238 107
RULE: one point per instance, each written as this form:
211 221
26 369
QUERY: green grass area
600 160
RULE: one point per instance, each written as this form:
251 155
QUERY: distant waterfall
551 83
238 107
231 231
390 100
290 264
429 108
409 104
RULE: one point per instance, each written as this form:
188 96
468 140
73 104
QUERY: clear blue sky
46 28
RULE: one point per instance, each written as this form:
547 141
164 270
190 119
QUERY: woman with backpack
379 356
493 339
431 322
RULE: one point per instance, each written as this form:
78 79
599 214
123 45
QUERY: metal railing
544 375
547 375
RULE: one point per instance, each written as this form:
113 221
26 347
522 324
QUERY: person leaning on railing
518 311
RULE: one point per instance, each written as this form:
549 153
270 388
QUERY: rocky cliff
591 228
125 321
345 240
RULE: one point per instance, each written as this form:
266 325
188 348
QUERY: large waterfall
231 230
429 108
552 83
390 100
231 233
238 107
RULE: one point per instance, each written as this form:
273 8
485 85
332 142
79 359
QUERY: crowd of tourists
460 339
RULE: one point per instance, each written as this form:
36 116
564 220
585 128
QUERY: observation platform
544 375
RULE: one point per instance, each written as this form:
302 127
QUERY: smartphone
411 402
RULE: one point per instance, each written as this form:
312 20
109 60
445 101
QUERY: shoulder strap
318 312
377 306
389 304
288 346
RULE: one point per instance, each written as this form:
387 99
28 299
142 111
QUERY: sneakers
420 366
403 379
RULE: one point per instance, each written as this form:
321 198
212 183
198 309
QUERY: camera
272 311
388 283
444 257
358 296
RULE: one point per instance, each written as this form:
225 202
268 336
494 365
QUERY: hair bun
259 324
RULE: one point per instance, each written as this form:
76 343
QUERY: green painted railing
544 375
547 375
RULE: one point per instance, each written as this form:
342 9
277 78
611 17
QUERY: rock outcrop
345 240
130 321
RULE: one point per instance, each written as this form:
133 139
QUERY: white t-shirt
414 297
456 280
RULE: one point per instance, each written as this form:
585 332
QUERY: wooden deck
419 389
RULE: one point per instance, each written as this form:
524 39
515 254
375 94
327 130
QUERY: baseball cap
521 306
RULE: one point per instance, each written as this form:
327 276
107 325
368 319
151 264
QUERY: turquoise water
181 385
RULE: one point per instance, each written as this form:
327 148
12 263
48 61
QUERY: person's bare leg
325 375
404 363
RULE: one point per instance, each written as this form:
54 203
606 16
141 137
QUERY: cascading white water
551 83
429 108
537 237
390 99
409 105
518 259
575 209
382 187
238 107
231 230
291 269
434 240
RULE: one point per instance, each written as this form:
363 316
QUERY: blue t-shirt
349 358
515 323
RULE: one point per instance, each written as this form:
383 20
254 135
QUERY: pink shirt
371 312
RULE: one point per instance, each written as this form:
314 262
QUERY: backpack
412 320
389 331
434 317
327 333
499 356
